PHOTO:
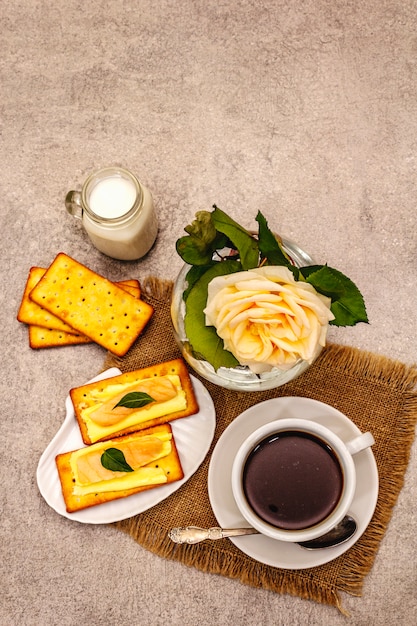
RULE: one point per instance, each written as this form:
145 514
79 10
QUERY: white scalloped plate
264 549
193 437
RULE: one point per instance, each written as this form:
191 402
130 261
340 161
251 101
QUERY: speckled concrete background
306 111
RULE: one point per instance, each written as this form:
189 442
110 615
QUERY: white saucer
264 549
193 437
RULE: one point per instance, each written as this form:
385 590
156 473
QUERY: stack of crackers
142 433
69 304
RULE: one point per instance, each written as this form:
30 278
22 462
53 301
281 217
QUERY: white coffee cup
304 437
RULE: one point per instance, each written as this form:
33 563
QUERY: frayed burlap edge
361 556
253 573
372 367
153 290
375 367
157 288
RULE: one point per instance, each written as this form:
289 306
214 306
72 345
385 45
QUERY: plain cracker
92 304
40 337
45 329
32 313
50 338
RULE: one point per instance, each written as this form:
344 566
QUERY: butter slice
116 480
137 417
87 398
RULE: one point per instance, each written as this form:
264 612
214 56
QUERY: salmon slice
137 454
160 389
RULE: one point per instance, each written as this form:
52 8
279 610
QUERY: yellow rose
268 319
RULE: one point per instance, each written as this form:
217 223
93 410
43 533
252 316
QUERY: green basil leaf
269 246
243 241
114 460
203 339
348 305
135 400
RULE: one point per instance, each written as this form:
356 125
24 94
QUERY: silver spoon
193 534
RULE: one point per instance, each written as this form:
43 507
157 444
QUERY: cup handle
73 204
360 443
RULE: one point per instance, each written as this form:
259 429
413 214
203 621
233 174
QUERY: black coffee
292 480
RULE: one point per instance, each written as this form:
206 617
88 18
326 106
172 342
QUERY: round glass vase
239 378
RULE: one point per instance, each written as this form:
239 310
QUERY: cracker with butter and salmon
134 401
118 468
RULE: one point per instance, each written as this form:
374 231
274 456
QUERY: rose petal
268 319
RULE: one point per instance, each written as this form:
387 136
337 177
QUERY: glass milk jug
117 212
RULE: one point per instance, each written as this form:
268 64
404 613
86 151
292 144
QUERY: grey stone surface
306 111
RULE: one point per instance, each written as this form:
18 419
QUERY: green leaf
202 227
244 242
203 339
269 245
194 274
208 234
114 460
135 400
202 241
192 252
348 305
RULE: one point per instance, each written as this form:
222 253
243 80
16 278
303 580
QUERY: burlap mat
376 393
